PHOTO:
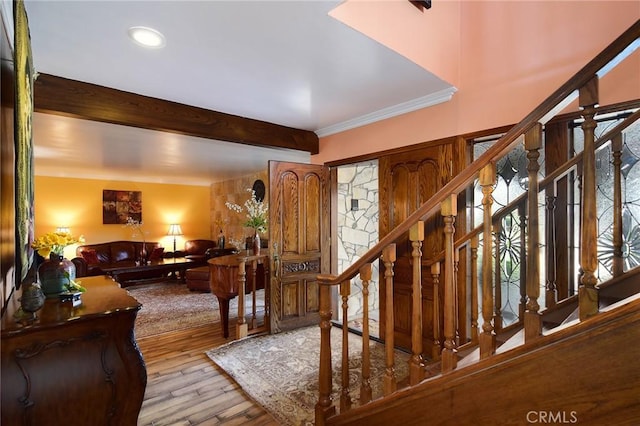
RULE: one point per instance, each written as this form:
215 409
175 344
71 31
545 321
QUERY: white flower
257 212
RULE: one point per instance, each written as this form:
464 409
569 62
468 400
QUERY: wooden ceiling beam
71 98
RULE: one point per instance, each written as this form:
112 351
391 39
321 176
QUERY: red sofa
92 258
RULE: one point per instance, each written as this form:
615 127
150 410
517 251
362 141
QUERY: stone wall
358 228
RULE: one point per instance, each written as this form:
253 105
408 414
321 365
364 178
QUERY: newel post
324 407
487 336
449 211
416 362
587 291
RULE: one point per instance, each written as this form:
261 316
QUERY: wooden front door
408 179
299 234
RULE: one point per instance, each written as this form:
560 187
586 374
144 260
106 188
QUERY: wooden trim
71 98
399 150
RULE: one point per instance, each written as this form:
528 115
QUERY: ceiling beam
71 98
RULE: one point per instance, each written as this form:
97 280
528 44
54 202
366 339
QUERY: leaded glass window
630 194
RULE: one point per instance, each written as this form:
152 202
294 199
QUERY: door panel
412 178
300 234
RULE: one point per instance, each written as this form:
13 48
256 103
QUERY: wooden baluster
241 325
416 362
475 242
551 289
487 337
532 318
437 343
456 264
365 386
324 407
345 398
449 352
522 216
389 384
497 279
587 292
618 260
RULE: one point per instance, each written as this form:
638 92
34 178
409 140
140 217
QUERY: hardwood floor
184 387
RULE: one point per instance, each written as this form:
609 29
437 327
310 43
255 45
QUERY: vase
221 239
32 299
256 244
54 274
144 256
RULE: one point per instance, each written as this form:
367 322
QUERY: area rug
170 305
280 371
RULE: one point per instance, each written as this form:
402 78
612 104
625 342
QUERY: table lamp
174 231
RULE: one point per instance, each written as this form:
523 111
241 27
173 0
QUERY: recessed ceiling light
147 37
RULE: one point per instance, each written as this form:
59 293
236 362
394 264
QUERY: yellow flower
54 242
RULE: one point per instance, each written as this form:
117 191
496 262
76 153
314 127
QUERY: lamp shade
174 229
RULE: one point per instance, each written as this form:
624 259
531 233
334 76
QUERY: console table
74 365
228 279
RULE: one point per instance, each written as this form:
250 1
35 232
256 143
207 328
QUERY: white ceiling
285 62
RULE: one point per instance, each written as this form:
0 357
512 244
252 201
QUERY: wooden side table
229 279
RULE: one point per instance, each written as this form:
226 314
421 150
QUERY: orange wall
77 203
510 56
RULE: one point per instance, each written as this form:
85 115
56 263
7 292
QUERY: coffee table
176 265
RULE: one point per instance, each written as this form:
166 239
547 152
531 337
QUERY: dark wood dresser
74 365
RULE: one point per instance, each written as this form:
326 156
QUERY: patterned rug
170 305
280 371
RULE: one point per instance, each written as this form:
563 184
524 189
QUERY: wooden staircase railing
530 131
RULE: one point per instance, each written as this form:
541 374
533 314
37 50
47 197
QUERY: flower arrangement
256 212
73 286
54 242
136 225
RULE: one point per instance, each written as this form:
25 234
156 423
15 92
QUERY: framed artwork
117 206
23 144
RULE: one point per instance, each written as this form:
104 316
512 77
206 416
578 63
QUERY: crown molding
439 97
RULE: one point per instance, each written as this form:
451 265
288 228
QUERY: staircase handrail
613 54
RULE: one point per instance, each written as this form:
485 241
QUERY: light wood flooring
184 387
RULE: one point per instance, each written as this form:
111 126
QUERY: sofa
197 250
92 259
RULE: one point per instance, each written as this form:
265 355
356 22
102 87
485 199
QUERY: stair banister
541 114
459 182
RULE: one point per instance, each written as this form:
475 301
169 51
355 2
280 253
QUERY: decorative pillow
157 253
90 256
